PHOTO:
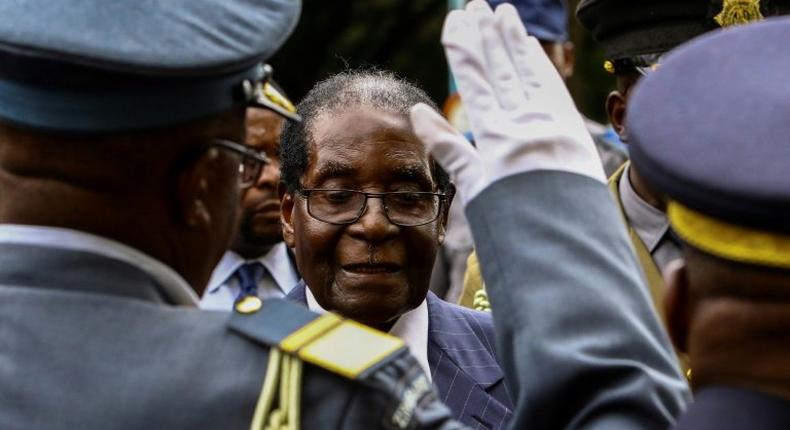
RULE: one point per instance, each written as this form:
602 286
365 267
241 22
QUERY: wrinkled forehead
363 142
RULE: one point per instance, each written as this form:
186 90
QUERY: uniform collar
171 283
411 327
649 223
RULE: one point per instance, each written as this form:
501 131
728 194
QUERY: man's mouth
372 268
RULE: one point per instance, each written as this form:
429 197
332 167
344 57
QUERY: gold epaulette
341 346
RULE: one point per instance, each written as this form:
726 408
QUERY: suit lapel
298 294
463 369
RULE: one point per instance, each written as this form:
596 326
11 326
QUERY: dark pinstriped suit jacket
464 369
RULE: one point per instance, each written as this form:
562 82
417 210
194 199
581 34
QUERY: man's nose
270 175
374 226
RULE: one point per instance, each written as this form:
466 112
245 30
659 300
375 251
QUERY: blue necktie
249 274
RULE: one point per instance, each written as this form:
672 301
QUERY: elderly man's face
372 271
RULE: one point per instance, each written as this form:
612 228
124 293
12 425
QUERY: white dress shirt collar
411 327
173 285
649 223
276 261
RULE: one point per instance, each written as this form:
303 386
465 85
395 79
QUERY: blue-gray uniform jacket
90 342
579 341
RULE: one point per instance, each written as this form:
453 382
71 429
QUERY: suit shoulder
480 322
458 310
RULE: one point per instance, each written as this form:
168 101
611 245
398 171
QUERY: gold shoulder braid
737 12
481 301
342 346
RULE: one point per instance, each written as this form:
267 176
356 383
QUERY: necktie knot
249 274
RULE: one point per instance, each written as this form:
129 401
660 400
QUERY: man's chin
372 314
258 245
263 237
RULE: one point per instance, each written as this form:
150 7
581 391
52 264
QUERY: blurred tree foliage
403 36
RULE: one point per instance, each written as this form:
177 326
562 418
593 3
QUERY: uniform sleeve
398 396
581 346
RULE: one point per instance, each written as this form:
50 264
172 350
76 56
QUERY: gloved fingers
467 63
536 72
450 149
516 41
499 66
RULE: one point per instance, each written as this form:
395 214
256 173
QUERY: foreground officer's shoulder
327 341
361 355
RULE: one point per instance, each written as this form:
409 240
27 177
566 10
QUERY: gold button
248 304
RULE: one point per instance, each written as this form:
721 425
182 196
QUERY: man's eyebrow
333 169
414 173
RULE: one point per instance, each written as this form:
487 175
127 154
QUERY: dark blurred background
403 36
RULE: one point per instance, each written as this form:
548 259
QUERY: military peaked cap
102 66
634 34
718 144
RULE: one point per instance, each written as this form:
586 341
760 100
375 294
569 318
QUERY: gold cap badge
608 65
737 12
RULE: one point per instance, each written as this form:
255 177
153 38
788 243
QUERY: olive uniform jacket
655 282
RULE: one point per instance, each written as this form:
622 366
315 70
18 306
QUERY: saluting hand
521 113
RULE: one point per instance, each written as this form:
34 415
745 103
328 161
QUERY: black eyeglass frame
259 157
305 193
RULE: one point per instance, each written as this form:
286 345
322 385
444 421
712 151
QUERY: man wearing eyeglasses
259 264
365 209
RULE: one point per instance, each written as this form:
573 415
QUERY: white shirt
411 327
172 284
223 287
649 223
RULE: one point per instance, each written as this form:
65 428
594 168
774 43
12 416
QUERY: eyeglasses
251 162
403 208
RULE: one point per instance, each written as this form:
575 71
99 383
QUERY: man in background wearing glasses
258 263
365 209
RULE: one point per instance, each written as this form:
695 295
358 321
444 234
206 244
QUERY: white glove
521 114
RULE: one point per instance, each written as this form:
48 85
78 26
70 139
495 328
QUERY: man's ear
445 215
615 109
676 304
193 188
286 215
